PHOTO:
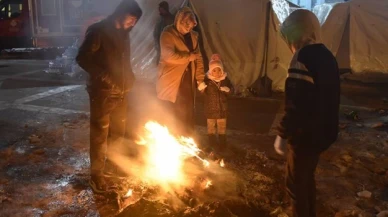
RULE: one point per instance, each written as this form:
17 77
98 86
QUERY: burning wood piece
222 163
131 197
129 193
208 184
166 154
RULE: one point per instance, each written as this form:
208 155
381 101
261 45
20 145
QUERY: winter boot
113 170
222 144
213 143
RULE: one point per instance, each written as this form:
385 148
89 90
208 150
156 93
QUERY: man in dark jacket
310 124
105 56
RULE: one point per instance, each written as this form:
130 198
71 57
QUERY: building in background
14 24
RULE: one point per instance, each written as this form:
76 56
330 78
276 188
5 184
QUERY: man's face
162 11
128 22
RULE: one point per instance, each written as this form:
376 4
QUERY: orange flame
208 184
166 154
129 193
222 163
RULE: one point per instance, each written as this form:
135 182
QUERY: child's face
216 72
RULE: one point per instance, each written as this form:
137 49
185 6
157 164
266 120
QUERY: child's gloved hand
280 146
202 86
225 89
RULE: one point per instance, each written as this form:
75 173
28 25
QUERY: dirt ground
46 174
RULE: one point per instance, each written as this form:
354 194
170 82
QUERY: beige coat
174 61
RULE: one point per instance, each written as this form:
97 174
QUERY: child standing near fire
216 90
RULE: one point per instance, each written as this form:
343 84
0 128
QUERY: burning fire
166 154
208 184
222 163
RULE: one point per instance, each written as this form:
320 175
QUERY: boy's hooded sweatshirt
312 88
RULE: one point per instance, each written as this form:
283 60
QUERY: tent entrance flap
343 54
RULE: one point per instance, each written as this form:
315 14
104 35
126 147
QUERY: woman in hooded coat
180 69
310 123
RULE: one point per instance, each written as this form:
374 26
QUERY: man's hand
193 56
225 89
280 146
202 86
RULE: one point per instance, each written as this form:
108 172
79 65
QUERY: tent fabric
356 33
239 39
143 52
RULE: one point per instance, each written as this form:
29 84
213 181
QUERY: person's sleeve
299 100
199 67
169 54
86 54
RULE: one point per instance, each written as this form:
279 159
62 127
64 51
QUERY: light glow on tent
281 8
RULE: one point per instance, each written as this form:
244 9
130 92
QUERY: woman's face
187 23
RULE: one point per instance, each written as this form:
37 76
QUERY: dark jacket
312 100
105 56
216 102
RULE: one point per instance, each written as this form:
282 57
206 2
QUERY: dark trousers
108 116
300 182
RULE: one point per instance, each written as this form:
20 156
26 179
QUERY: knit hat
215 62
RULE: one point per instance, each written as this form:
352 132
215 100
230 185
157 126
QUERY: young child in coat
216 91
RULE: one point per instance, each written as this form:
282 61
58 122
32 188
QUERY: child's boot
222 144
213 143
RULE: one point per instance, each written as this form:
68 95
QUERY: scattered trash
277 211
347 158
34 139
383 214
353 115
348 213
342 168
39 152
378 125
369 155
343 126
69 125
365 194
3 197
378 209
84 196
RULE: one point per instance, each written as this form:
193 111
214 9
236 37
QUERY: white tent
231 28
356 32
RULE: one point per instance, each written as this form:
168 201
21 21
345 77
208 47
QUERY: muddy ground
45 173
